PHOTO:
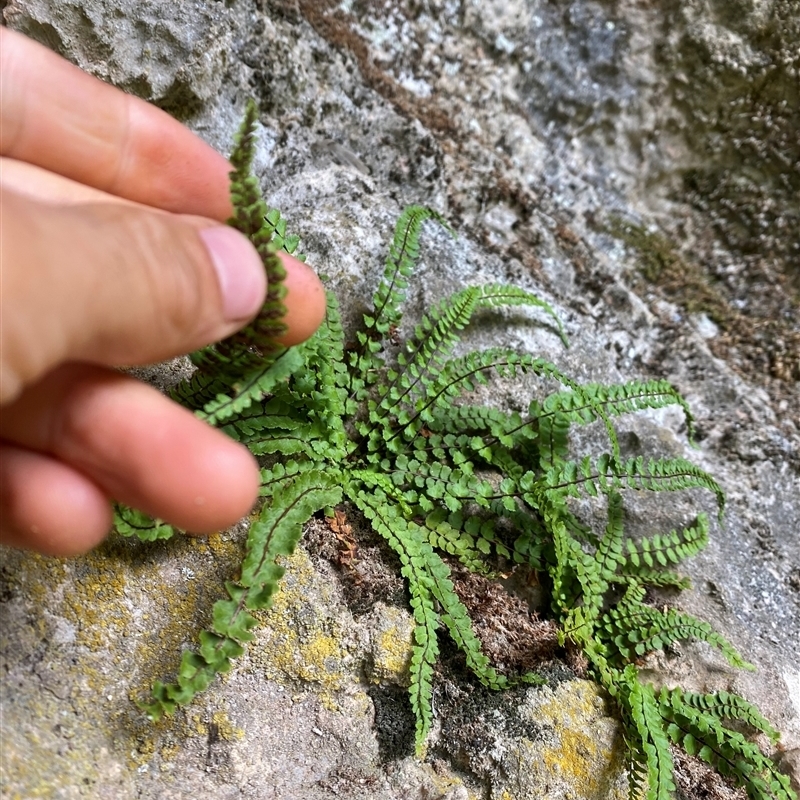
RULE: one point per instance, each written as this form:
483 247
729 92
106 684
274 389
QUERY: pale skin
112 253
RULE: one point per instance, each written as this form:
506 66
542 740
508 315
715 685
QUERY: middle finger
135 444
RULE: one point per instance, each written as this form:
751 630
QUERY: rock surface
598 153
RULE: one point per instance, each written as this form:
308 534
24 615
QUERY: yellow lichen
584 754
392 653
225 728
126 611
298 644
95 603
445 781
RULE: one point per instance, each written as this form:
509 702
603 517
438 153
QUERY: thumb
116 284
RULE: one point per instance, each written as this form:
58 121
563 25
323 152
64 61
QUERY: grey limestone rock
578 148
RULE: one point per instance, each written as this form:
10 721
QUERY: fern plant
442 479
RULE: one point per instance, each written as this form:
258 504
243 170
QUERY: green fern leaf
636 629
445 531
295 497
464 374
658 551
693 724
198 389
403 253
252 387
456 618
583 404
653 744
496 295
607 474
723 706
434 338
253 347
410 546
130 522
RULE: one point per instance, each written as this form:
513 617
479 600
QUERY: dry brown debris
512 634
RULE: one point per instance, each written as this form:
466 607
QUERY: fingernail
239 271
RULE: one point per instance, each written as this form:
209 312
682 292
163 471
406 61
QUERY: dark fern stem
439 477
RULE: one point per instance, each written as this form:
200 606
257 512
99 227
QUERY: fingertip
227 487
137 446
305 300
48 507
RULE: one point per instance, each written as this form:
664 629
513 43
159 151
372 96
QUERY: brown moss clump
512 635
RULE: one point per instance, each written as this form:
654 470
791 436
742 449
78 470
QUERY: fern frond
365 361
434 338
661 550
465 373
472 419
723 706
261 418
276 426
308 440
456 618
275 533
498 294
279 526
636 629
591 401
257 344
424 483
429 578
700 733
553 440
328 361
252 387
447 532
198 389
595 573
567 552
425 355
651 750
130 522
415 555
607 474
322 386
319 392
400 263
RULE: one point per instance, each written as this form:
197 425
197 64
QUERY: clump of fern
441 478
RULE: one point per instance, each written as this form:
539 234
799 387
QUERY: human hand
112 254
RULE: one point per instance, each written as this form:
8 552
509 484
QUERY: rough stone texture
172 54
634 163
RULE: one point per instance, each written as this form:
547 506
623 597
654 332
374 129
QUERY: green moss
763 344
742 113
683 281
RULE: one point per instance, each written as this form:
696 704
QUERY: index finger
57 117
